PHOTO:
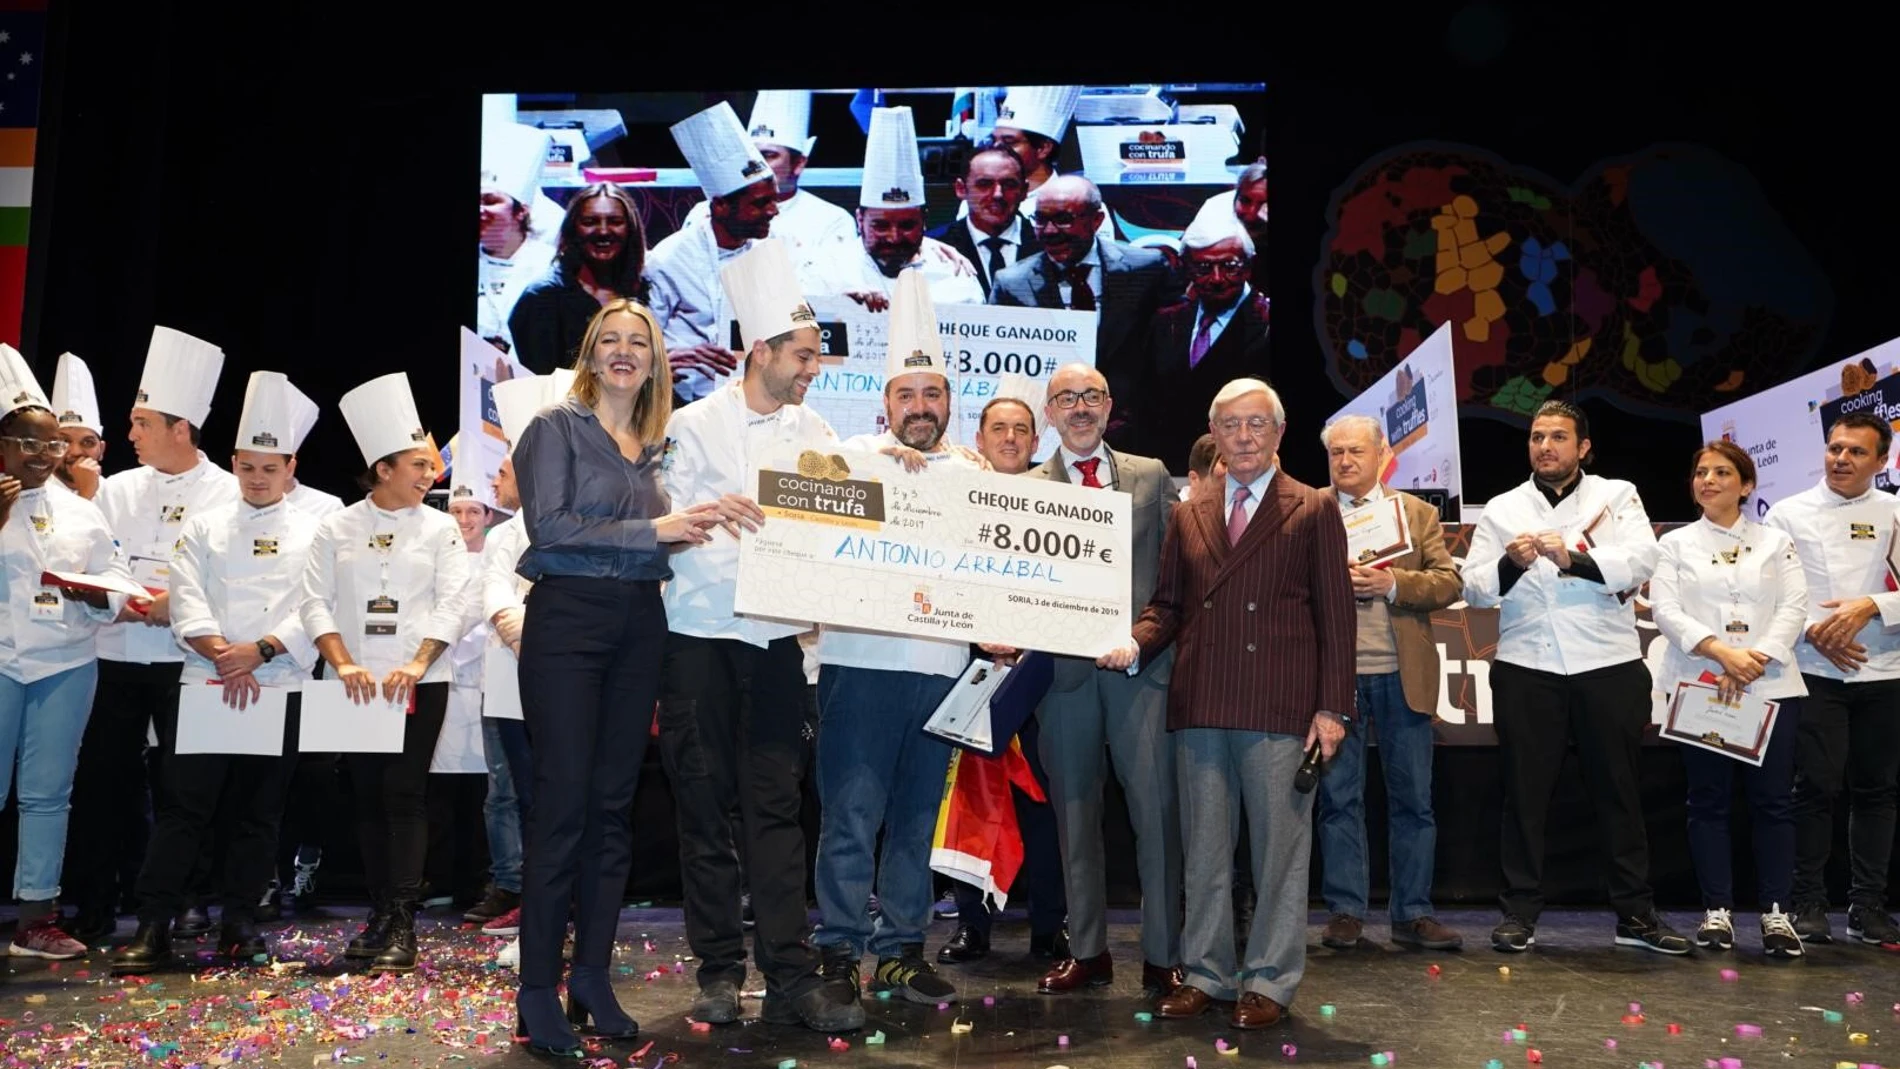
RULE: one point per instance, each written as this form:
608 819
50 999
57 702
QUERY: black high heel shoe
590 996
538 1020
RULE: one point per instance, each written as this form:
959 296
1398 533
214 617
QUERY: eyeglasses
1093 398
34 447
1204 268
1062 219
1232 424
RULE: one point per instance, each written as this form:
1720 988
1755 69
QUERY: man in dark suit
1080 270
1252 595
1218 334
1091 717
994 236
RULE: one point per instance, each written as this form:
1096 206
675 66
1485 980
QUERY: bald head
1068 212
1078 407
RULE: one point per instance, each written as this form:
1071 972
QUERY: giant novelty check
852 539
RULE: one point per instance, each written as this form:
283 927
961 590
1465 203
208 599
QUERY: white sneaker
1717 931
510 956
1778 938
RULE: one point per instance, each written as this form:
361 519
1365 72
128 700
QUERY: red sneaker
45 939
508 923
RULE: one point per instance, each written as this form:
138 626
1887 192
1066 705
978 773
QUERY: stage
1570 996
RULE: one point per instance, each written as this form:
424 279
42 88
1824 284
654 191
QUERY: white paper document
206 725
501 684
1740 729
109 584
331 723
1376 532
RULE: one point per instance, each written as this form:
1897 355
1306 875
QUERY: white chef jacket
951 276
53 529
238 572
1742 586
458 747
690 302
147 511
313 502
500 282
502 587
414 557
806 223
1557 623
852 648
712 445
1843 546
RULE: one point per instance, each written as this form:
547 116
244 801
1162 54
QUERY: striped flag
22 33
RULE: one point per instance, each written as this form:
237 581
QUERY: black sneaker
913 979
1872 925
718 1003
841 968
1650 933
1778 939
1810 923
494 903
1513 936
828 1006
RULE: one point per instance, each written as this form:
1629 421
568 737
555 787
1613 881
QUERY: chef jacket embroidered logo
669 454
1861 532
41 524
171 514
382 543
263 547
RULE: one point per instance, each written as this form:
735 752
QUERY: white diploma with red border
1698 716
1376 532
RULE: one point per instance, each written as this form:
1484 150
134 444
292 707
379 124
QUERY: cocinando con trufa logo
822 490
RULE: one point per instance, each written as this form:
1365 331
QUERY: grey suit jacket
1146 481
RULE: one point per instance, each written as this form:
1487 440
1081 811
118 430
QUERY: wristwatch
266 649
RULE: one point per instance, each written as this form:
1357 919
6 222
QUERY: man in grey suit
1081 270
1092 716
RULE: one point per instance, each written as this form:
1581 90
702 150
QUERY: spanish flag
977 840
22 33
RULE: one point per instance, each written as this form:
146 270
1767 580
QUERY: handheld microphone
1307 777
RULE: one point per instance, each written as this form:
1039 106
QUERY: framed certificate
1376 532
1740 729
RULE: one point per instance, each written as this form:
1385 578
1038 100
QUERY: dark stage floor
1570 996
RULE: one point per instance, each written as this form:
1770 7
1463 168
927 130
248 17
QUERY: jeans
1405 754
1770 791
40 725
501 811
877 769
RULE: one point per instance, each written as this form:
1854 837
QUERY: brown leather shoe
1156 980
1073 974
1255 1010
1427 934
1342 932
1184 1001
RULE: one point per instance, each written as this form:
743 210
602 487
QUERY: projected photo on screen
1123 226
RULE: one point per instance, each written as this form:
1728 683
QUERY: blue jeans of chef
877 769
41 724
1405 756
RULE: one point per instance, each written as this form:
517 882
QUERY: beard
921 433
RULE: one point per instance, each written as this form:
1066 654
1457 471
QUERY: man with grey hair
1217 334
1082 270
1247 203
1253 597
1397 693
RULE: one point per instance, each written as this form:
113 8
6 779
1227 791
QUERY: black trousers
1849 737
458 835
732 735
309 809
107 835
1041 875
392 812
1536 714
591 652
234 800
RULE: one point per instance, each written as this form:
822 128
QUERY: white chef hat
723 158
763 288
782 117
277 416
913 341
893 174
18 387
75 400
382 417
513 158
1040 109
519 399
1215 223
1021 388
181 374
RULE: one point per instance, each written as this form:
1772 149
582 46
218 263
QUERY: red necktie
1237 519
1088 468
1203 339
1081 297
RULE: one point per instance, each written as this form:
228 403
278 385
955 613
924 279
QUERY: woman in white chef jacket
48 666
1731 599
384 592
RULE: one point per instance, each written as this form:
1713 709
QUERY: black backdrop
293 182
